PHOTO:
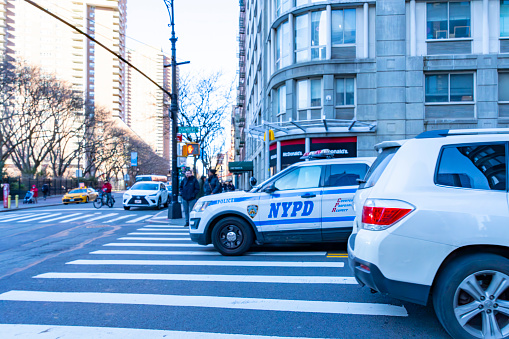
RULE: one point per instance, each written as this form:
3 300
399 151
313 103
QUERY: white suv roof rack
448 132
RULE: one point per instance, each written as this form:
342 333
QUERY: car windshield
145 187
78 191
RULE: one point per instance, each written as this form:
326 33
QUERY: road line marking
281 305
157 233
62 217
167 226
102 217
153 238
19 217
339 253
139 219
306 254
241 263
130 244
23 331
119 218
77 218
41 216
10 215
202 277
180 229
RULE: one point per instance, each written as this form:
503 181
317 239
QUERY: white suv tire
463 315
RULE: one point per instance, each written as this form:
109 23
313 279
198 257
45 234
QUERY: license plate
137 201
71 199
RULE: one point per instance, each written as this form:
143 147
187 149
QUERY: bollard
16 197
9 201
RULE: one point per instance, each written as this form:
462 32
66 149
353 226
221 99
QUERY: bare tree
205 103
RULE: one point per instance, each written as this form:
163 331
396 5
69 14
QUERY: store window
345 91
343 26
309 99
310 36
448 20
504 18
283 46
449 87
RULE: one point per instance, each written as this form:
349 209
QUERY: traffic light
191 149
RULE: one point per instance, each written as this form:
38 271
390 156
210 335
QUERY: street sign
188 129
179 137
191 149
134 159
240 166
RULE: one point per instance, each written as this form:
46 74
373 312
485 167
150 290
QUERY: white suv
146 194
432 219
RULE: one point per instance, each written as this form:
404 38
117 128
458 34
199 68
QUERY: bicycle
103 199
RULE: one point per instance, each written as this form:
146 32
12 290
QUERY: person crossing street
189 189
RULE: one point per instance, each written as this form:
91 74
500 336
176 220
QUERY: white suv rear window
378 167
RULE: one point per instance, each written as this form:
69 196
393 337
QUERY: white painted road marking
130 244
282 305
304 254
157 233
201 277
119 218
152 238
62 217
328 264
19 218
77 218
23 331
40 216
102 217
139 219
167 226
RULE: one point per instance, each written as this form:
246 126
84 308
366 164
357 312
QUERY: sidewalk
54 200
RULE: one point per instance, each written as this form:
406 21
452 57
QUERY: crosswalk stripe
160 226
202 277
179 229
153 238
282 305
102 217
143 244
77 218
84 332
240 263
119 218
9 215
128 252
139 219
19 217
157 233
59 218
40 216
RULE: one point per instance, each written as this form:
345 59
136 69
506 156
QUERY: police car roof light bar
321 154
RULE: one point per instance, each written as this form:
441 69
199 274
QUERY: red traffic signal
191 149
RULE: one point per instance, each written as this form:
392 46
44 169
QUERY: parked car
432 222
146 194
308 202
77 195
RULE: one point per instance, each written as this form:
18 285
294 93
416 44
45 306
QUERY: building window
449 87
503 87
310 36
282 6
283 46
504 18
304 2
448 20
280 103
345 92
343 26
309 99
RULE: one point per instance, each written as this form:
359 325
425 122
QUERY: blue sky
206 31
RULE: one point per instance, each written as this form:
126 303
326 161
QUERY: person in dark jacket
212 185
189 189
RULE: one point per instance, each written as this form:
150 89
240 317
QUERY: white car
308 202
432 222
146 194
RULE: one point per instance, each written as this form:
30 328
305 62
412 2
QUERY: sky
206 31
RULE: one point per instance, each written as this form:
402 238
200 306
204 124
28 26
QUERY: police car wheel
232 236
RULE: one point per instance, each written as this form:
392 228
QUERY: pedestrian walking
35 191
230 187
189 189
212 185
45 190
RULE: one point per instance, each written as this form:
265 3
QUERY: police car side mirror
253 181
270 189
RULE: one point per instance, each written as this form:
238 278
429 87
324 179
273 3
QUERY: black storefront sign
341 147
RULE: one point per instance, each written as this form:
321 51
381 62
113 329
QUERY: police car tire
236 225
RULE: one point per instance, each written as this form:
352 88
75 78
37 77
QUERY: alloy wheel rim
481 304
231 237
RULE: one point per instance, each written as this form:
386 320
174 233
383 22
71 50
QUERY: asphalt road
77 272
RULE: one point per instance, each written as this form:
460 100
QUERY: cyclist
107 189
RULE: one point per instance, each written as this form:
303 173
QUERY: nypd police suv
308 202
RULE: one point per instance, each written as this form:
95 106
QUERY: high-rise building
147 109
346 75
29 34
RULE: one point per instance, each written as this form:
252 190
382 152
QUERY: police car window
473 166
345 174
301 177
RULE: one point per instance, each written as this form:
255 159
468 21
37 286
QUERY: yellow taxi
77 195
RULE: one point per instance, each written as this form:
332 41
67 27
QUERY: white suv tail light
380 214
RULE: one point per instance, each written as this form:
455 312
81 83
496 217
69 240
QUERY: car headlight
200 206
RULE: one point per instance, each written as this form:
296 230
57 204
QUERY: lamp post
174 209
